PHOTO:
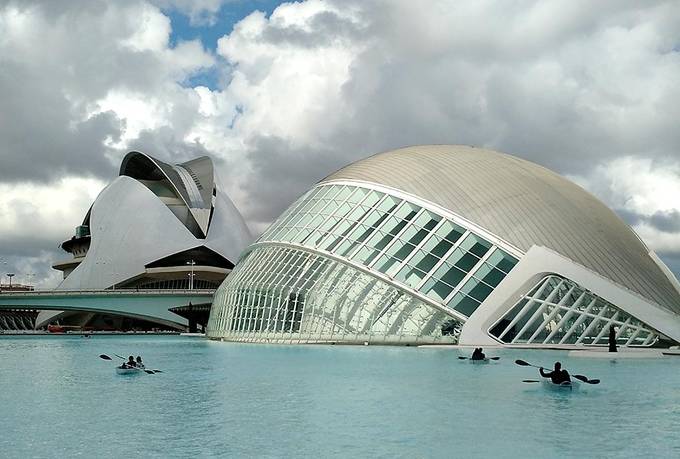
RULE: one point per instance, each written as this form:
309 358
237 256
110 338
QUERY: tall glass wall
558 311
282 294
417 248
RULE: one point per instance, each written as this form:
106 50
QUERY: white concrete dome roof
523 204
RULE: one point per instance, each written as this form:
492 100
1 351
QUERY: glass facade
558 311
416 248
284 294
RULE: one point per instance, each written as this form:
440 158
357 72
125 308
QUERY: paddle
151 372
582 378
586 380
530 380
468 358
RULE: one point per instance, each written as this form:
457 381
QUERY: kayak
129 371
562 387
480 362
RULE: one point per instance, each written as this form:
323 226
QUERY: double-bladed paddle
151 372
582 378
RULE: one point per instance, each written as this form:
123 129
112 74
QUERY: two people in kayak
478 354
132 363
557 376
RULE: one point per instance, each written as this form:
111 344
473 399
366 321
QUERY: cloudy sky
282 94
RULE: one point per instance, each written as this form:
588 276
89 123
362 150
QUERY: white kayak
129 371
563 387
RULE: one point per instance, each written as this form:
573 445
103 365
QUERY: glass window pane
418 237
427 263
493 277
480 291
449 274
450 231
388 204
372 198
437 290
357 213
393 225
410 276
333 191
427 220
441 247
407 211
343 247
358 195
400 250
463 304
467 262
502 260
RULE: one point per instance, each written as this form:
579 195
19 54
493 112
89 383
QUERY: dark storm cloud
39 140
280 174
666 221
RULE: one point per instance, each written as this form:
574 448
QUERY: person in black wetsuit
558 375
130 363
612 339
477 354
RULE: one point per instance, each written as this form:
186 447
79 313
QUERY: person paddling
139 362
477 354
130 363
558 375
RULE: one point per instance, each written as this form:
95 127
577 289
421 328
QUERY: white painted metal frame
600 321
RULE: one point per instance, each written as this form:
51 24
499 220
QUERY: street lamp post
30 278
191 276
10 275
4 263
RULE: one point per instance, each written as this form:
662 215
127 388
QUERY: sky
282 94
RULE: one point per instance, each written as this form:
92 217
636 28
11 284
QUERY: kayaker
558 375
477 354
139 362
130 363
612 339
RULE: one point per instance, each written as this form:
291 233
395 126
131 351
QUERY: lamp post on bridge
191 275
10 275
4 264
30 278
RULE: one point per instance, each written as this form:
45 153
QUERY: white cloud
647 192
587 89
50 211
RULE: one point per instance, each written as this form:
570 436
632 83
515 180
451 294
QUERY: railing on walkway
122 291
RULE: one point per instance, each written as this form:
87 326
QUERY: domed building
157 226
448 244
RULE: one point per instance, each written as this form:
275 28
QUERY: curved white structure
448 244
156 226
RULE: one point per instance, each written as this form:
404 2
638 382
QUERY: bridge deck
153 305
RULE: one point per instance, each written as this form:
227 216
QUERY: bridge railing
123 291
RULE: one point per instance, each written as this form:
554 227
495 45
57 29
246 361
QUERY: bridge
150 305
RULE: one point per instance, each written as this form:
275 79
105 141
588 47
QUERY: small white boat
567 386
129 370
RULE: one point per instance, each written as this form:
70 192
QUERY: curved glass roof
523 204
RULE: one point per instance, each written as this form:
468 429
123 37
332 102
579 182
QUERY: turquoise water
58 399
